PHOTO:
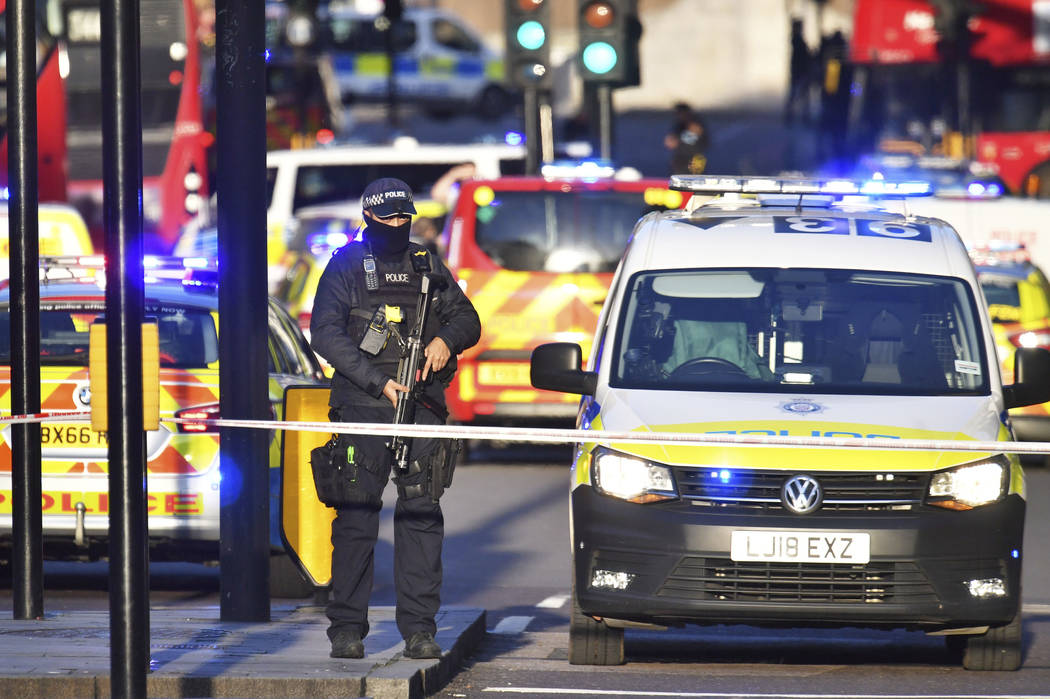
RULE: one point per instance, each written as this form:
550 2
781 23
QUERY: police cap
388 196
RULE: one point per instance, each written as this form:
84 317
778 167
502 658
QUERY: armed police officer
367 300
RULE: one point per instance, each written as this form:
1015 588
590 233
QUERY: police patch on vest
396 277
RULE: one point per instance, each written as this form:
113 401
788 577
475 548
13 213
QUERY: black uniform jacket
357 380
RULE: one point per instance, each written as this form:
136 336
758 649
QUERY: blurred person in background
687 140
800 77
425 232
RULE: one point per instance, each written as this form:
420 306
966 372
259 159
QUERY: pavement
195 654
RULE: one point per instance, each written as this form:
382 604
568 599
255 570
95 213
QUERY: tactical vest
399 285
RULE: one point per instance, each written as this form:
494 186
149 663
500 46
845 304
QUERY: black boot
421 644
347 644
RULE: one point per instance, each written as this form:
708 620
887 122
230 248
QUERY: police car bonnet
388 196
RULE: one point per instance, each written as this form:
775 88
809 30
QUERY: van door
451 61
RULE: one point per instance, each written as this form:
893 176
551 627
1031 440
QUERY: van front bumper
676 557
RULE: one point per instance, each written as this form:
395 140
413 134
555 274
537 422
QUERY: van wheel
999 648
5 567
592 642
493 103
286 580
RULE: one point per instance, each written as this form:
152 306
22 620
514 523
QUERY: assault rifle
412 360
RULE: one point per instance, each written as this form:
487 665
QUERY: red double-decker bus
992 102
174 141
51 112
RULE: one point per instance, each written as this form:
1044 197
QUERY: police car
1018 295
784 309
182 460
61 231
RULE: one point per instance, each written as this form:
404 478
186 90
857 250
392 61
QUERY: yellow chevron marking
495 292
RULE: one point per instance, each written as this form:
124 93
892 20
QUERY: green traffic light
599 57
531 35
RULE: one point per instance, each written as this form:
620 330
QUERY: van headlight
630 478
970 485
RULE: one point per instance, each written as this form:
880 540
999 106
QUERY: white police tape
51 416
562 436
568 436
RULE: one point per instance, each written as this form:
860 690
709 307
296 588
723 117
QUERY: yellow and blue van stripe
377 65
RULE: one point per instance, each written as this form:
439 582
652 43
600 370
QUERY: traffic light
528 58
609 33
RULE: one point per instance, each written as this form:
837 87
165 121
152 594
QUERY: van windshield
800 331
187 336
574 231
322 184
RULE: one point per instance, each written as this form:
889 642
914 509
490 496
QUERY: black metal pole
533 138
605 121
27 554
244 514
125 309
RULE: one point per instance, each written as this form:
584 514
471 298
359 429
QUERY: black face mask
386 239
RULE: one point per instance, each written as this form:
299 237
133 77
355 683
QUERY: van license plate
800 547
70 436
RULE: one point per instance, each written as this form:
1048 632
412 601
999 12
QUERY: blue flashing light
150 261
599 57
724 475
885 188
196 263
983 190
5 194
267 55
514 138
582 169
840 187
531 35
1015 554
336 240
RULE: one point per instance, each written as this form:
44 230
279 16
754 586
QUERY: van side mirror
556 367
1031 378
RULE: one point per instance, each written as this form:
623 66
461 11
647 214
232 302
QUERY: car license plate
504 373
800 547
70 436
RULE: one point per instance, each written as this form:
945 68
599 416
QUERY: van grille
722 579
760 490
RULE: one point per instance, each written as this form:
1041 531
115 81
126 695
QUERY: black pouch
344 476
413 483
431 474
451 449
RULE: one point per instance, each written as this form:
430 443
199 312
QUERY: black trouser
419 530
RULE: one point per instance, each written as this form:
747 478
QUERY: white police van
441 63
785 309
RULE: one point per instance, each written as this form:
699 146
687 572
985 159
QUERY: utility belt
352 470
